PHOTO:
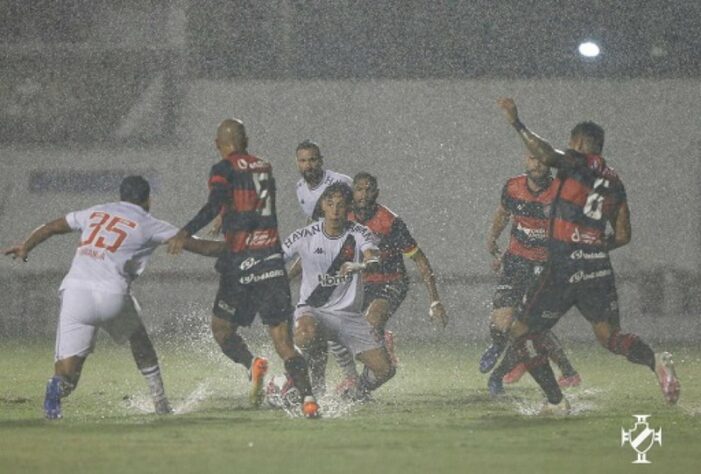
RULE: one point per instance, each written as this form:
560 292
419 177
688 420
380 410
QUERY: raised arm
436 309
537 146
38 235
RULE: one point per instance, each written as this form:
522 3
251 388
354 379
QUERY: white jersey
308 197
322 257
116 242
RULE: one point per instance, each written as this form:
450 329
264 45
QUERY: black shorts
241 297
517 275
394 292
593 293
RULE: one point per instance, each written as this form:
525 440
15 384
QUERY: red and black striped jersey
395 242
242 189
530 213
589 195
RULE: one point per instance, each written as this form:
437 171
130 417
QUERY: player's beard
312 176
542 181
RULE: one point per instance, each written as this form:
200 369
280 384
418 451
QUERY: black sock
531 351
633 348
296 367
235 348
508 362
499 338
557 354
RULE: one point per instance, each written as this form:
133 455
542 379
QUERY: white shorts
349 329
83 312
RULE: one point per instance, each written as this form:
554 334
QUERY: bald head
231 137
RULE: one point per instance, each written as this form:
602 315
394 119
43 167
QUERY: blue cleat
52 400
495 386
490 357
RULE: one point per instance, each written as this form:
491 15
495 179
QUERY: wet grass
435 416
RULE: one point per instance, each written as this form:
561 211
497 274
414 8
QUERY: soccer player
525 200
116 242
333 252
313 182
386 288
252 272
315 179
579 272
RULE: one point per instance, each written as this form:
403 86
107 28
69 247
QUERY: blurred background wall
92 91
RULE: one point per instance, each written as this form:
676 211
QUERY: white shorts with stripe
349 329
83 312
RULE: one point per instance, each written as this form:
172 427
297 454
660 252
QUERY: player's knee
305 332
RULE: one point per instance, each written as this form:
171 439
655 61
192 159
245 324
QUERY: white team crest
641 438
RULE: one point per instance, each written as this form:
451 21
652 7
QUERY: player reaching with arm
253 277
386 288
525 202
116 242
333 252
579 273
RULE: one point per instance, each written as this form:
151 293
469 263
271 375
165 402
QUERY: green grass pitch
434 417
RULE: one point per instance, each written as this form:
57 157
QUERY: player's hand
437 313
215 229
177 242
508 105
351 267
19 251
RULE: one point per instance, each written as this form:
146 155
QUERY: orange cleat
259 368
310 408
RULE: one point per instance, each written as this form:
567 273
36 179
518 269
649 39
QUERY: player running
117 240
525 202
333 252
579 272
253 277
386 288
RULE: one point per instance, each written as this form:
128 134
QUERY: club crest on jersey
327 280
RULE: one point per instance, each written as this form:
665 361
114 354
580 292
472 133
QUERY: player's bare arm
38 235
370 263
206 248
436 309
622 231
295 269
537 146
499 222
209 211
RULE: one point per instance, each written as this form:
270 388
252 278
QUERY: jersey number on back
265 202
110 231
593 209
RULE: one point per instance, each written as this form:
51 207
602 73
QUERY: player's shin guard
633 348
557 354
344 359
531 351
235 348
296 367
155 385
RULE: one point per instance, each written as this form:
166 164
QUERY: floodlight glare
589 49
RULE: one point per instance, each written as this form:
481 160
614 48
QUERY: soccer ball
280 392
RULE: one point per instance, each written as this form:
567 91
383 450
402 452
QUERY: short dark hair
134 189
308 145
366 176
592 132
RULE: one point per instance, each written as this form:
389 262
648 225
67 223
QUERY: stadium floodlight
589 49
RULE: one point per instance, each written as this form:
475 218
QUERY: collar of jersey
335 237
135 206
321 181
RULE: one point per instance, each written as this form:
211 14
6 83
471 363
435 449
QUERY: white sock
344 359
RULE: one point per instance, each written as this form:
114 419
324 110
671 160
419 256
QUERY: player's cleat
52 399
667 377
515 374
348 384
489 358
259 367
495 386
162 406
571 381
310 408
389 345
561 409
